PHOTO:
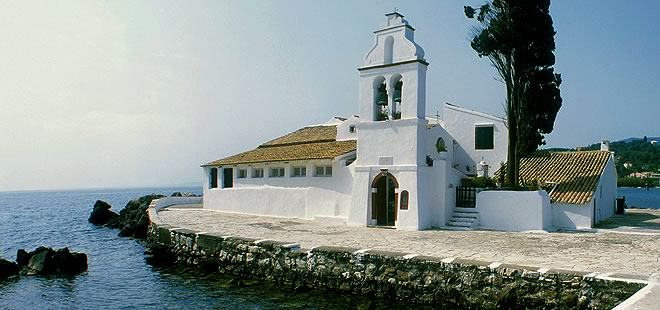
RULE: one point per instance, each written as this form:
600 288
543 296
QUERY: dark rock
70 262
183 194
101 213
22 258
40 263
48 261
8 268
133 220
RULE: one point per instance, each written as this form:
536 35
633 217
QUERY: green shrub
480 182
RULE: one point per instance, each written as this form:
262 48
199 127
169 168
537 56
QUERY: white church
393 166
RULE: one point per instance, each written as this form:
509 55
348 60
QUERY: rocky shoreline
132 220
387 275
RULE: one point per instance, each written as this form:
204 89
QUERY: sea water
118 277
640 197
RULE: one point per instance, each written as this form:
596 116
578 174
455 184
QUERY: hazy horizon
120 94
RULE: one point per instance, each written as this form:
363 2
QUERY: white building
390 166
580 191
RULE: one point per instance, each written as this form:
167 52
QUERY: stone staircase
464 219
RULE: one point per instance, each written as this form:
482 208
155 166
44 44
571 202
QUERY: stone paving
621 250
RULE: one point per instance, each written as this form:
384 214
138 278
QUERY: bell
397 96
382 98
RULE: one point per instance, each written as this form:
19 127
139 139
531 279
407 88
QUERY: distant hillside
640 153
635 139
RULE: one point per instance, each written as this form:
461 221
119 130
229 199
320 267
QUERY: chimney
605 145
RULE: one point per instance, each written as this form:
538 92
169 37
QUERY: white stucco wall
303 197
303 202
514 210
605 194
403 140
460 124
343 129
341 175
572 216
441 195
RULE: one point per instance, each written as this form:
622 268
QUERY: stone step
457 228
462 220
466 210
459 223
466 215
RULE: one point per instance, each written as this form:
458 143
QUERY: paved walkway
621 250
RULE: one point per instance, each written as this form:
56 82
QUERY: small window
299 171
213 178
276 172
242 174
258 172
351 129
483 137
440 145
323 171
404 200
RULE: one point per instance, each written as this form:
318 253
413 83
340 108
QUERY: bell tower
391 133
393 75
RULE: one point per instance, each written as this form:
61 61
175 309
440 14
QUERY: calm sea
641 197
118 277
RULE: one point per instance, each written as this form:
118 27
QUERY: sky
98 94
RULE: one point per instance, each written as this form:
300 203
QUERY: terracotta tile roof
576 173
306 135
317 142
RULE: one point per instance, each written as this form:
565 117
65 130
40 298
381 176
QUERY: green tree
517 36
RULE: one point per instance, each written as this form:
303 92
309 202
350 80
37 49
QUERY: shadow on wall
462 160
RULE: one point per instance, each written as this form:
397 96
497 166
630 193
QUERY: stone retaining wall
451 283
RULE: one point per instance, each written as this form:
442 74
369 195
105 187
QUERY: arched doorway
384 199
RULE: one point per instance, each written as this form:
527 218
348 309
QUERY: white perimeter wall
303 202
171 201
514 210
572 216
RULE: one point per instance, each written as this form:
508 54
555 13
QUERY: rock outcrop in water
8 268
133 219
45 260
184 194
101 213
